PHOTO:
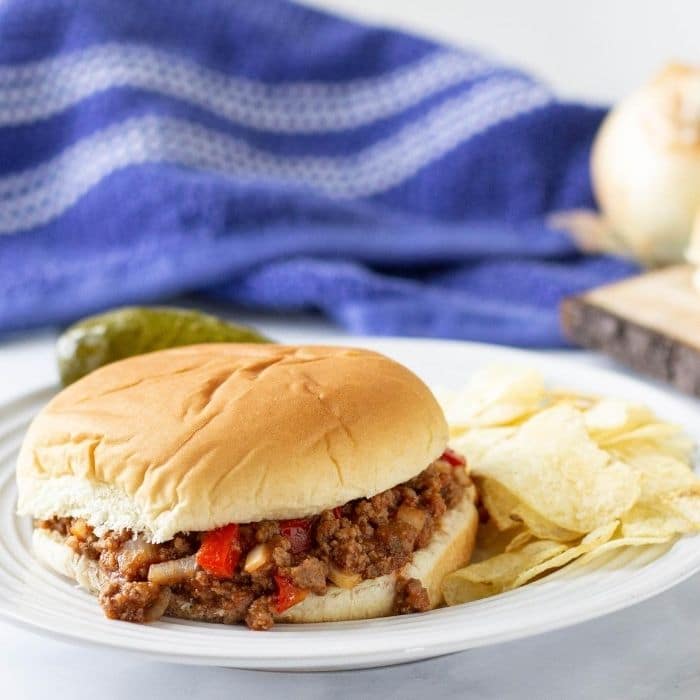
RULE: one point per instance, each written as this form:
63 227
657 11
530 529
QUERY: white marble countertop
648 651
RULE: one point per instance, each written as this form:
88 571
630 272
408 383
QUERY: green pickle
99 340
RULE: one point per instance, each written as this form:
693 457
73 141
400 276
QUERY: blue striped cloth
279 158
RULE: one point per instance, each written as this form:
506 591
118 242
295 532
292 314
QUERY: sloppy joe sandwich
256 483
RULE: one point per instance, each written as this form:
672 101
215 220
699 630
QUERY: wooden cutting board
650 322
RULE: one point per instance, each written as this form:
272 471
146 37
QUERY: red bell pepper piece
298 533
220 551
287 594
453 458
338 512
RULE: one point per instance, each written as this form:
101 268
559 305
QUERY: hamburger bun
193 438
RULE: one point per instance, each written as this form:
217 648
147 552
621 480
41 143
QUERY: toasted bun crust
197 437
450 548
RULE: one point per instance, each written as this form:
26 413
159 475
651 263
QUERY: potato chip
557 471
609 418
661 475
495 396
513 569
687 505
477 441
519 541
590 542
491 541
499 503
565 478
659 438
659 520
507 512
617 543
669 501
496 574
621 427
672 514
558 396
540 527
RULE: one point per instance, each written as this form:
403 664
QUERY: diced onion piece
134 554
169 572
257 557
157 610
80 529
343 579
415 517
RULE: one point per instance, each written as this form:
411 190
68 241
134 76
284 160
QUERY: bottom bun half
449 549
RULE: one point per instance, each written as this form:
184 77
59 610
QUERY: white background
595 50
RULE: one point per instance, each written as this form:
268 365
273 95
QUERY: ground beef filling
363 539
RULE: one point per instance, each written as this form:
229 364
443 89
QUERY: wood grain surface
650 322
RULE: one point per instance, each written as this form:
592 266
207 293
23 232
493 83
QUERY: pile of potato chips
563 476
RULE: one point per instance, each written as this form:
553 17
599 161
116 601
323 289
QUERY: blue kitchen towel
280 158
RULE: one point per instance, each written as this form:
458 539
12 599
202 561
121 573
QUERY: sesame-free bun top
193 438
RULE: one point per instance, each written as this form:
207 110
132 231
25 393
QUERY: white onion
696 280
693 252
343 579
646 166
415 517
169 572
257 557
157 610
136 553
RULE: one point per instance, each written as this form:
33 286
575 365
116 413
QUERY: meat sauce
252 571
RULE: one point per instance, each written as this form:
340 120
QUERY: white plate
35 597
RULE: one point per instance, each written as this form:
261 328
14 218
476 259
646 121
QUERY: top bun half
193 438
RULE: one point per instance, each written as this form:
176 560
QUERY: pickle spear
114 335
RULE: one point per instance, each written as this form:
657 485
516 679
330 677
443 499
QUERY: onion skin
645 166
